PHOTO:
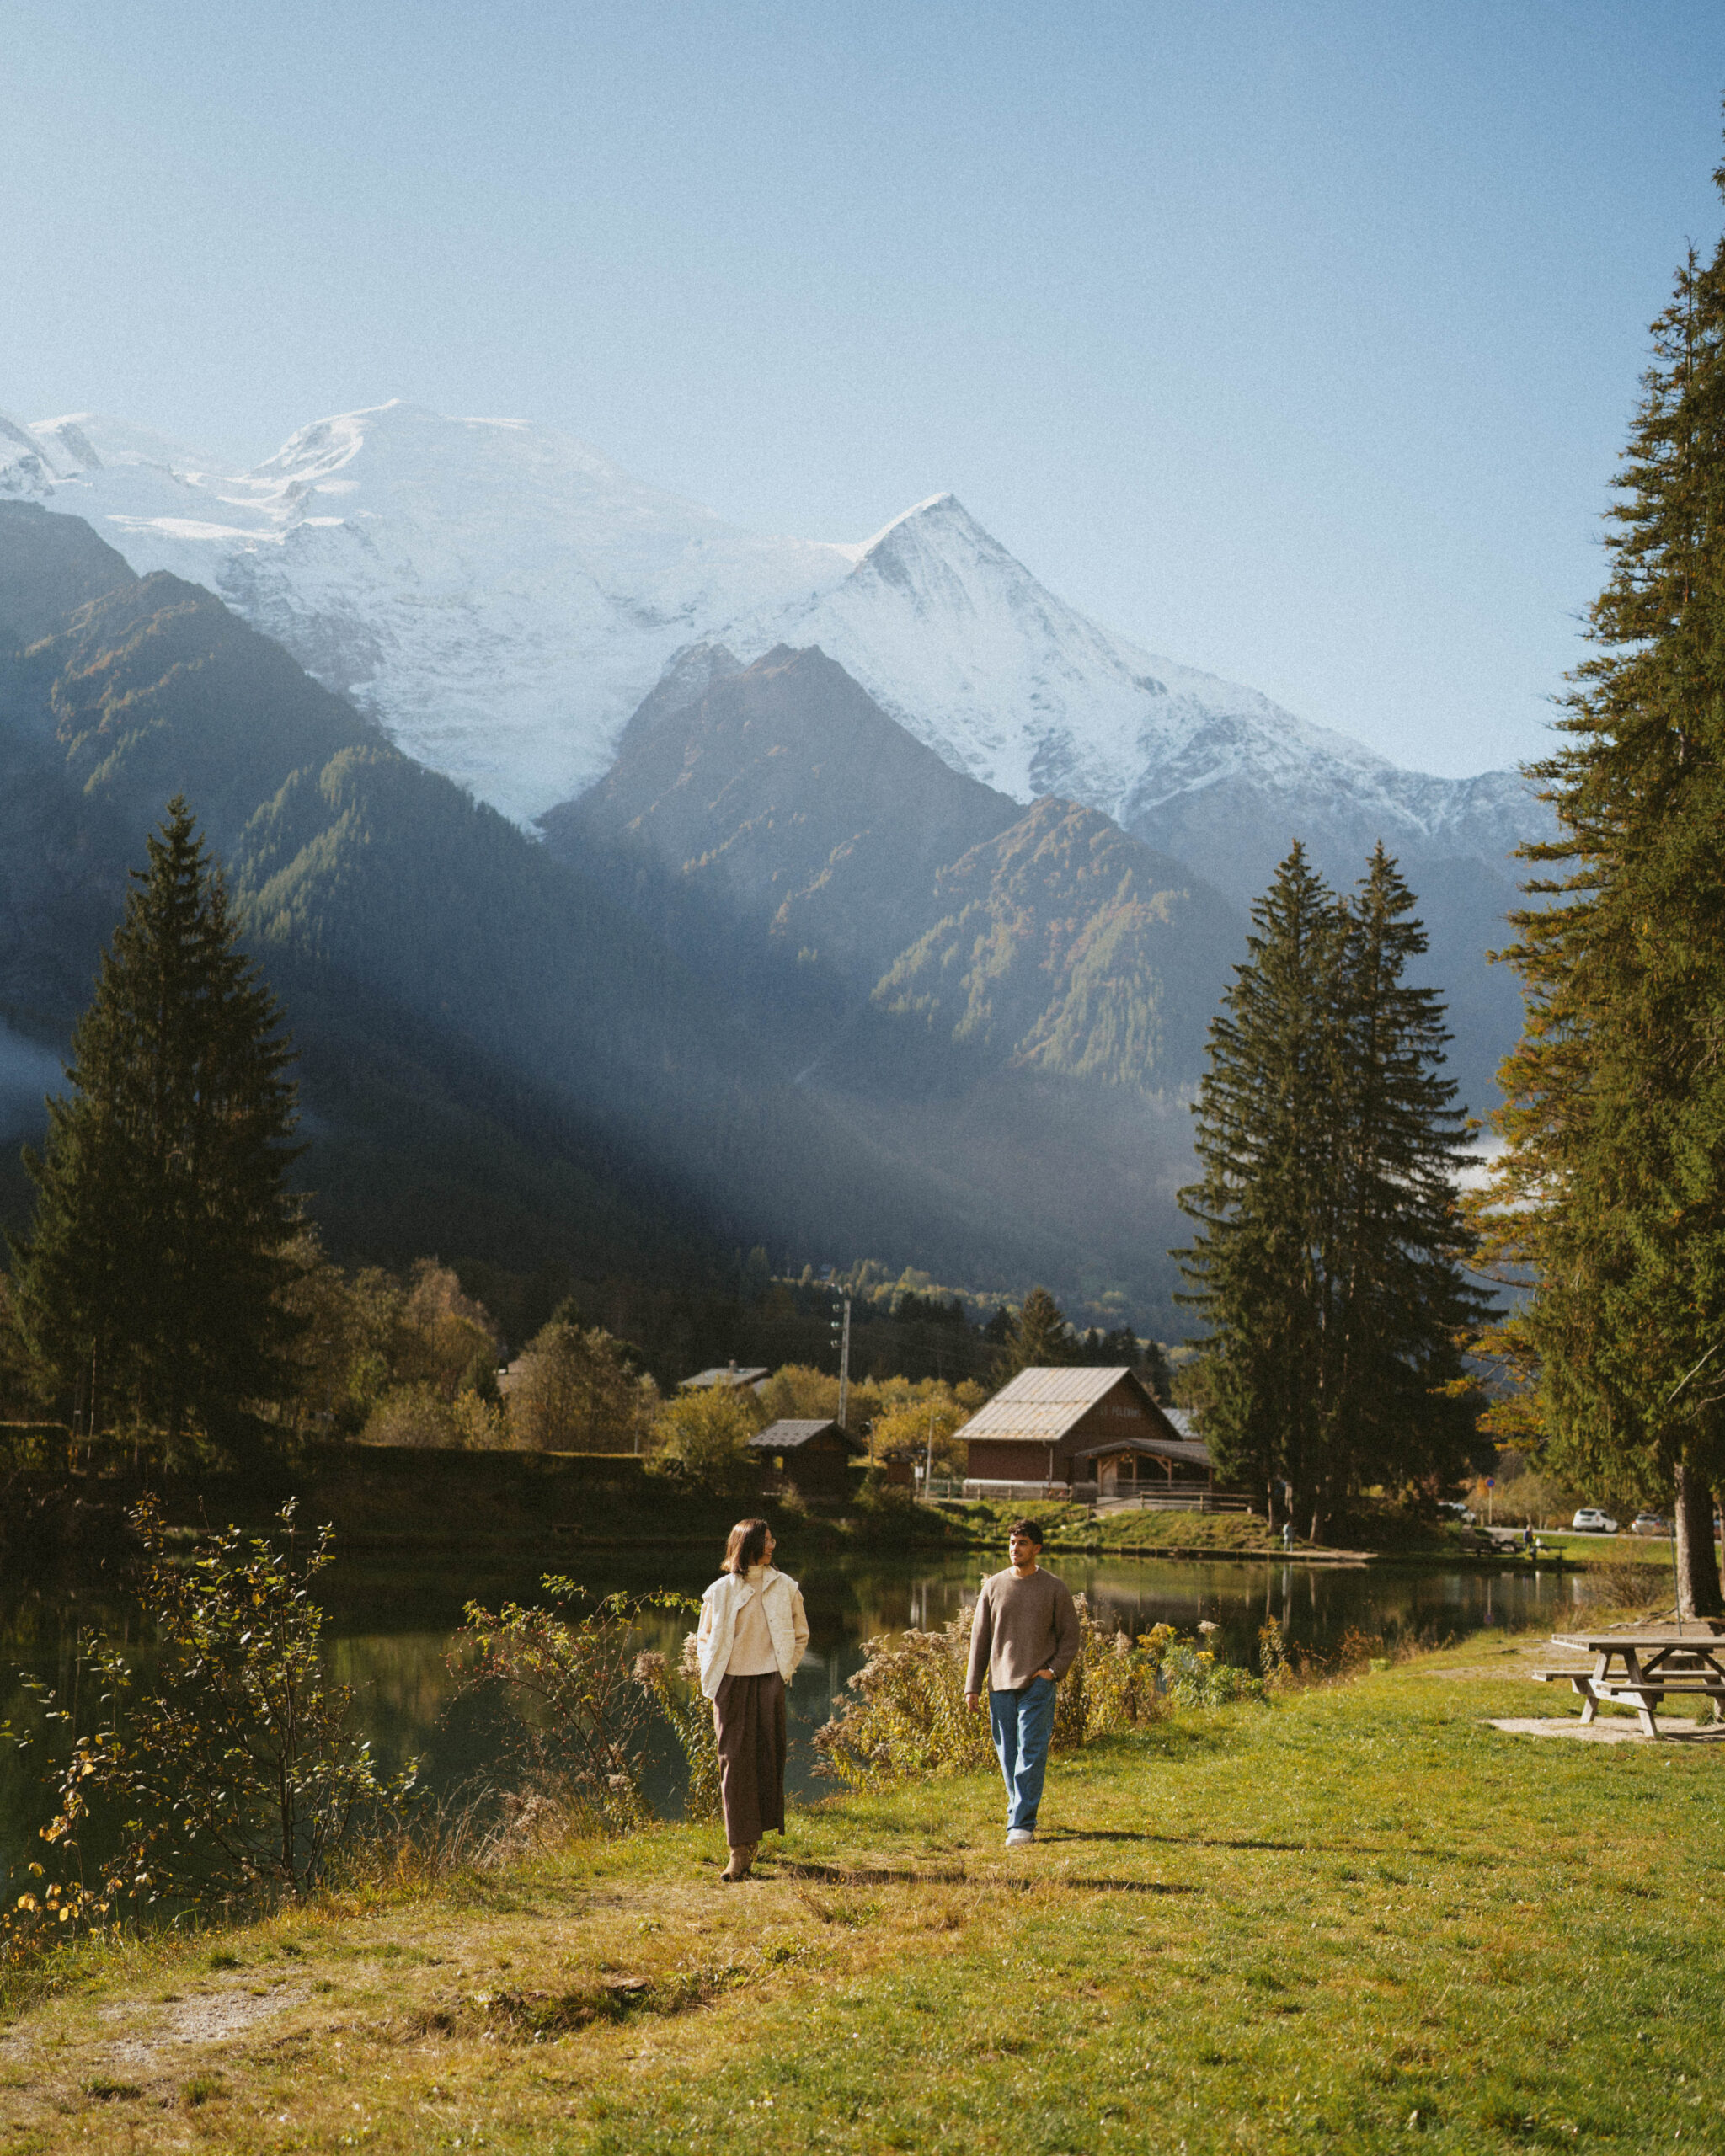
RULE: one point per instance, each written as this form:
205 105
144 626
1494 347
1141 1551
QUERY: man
1025 1635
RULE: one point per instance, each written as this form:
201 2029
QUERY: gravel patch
210 2018
1611 1732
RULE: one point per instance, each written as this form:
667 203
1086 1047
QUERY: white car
1590 1520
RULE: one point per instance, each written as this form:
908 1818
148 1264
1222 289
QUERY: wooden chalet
1086 1429
815 1455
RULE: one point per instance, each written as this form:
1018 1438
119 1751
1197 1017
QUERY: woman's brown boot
741 1859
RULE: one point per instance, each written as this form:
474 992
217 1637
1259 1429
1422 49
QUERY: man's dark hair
1029 1530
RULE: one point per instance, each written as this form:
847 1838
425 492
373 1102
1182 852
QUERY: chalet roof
787 1436
722 1374
1190 1452
1185 1423
1042 1405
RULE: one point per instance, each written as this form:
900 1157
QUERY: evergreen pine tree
1328 1261
1266 1203
149 1285
1609 1195
1397 1406
1041 1338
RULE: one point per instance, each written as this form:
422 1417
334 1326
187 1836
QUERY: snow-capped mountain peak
502 597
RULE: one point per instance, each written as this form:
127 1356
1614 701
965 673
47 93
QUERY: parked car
1457 1510
1650 1524
1590 1520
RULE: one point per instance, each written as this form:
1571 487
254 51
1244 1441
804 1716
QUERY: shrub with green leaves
907 1718
231 1762
1191 1677
1112 1684
584 1698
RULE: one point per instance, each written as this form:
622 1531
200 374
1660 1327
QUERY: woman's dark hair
747 1546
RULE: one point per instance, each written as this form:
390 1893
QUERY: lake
390 1620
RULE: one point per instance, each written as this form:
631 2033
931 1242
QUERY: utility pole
928 1460
843 1327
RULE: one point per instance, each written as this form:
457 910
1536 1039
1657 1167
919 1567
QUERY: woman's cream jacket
717 1628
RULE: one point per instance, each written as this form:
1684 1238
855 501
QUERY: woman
751 1636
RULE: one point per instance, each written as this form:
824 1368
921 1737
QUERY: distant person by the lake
1024 1636
752 1634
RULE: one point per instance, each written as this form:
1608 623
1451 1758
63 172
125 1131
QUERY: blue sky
1295 341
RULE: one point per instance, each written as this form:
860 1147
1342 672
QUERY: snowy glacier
502 597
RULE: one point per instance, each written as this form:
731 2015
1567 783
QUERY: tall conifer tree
1040 1336
1400 1305
1265 1206
148 1287
1610 1192
1329 1263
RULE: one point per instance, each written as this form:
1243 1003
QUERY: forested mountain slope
424 1137
503 1054
401 885
48 566
783 792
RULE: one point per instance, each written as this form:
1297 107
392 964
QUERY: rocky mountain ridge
966 926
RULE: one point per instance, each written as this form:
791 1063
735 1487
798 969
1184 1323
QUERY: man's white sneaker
1017 1837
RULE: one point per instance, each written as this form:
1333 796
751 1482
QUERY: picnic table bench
1639 1669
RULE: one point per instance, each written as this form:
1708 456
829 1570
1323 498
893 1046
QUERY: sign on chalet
1084 1426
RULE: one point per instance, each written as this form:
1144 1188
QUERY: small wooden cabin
815 1455
1084 1426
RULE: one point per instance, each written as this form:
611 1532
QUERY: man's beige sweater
1021 1625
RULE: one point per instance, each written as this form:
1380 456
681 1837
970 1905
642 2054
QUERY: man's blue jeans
1022 1722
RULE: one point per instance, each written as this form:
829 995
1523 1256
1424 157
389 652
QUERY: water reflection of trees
393 1621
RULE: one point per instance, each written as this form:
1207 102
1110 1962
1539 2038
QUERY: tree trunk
1698 1592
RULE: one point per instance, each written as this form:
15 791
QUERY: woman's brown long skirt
749 1715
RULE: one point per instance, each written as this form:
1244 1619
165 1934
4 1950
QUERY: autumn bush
579 1389
700 1442
423 1414
371 1340
229 1763
907 1718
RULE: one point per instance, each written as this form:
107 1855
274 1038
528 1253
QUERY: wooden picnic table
1638 1669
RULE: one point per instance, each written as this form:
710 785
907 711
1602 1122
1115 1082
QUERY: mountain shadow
425 1138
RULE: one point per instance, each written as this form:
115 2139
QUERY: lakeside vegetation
1357 1916
381 1497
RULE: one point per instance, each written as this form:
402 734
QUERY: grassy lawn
1358 1919
1075 1527
1607 1549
